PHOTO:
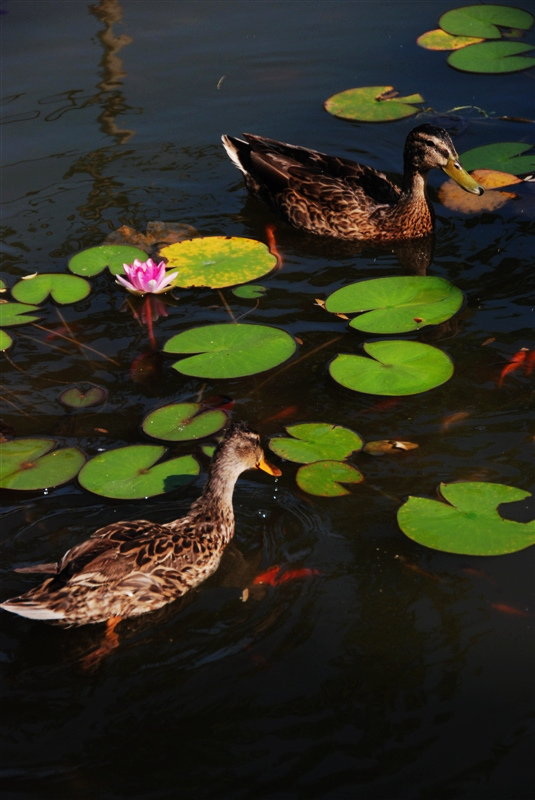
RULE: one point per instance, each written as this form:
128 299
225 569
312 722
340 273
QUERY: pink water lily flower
146 277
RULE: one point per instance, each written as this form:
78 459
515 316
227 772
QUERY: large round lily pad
500 156
180 422
15 313
316 441
483 20
396 368
325 478
28 464
95 259
230 351
492 57
132 472
468 522
401 304
64 289
372 104
218 261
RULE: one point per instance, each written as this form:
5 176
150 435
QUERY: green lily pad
325 478
316 441
396 368
482 20
5 340
13 313
400 304
76 398
131 472
372 104
64 289
495 57
440 40
469 523
501 156
28 464
95 259
218 261
180 422
230 351
249 292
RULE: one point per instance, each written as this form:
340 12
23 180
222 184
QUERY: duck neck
414 183
219 487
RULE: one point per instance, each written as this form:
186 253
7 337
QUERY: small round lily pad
492 57
484 19
179 422
63 289
397 304
468 522
230 350
5 340
75 397
316 441
326 478
28 464
131 472
396 367
15 313
95 259
218 261
372 104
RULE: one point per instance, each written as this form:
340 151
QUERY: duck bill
454 169
269 468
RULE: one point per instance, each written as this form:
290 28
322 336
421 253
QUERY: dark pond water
397 672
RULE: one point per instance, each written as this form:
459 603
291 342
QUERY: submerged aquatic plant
146 277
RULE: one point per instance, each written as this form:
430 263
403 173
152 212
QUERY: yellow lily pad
438 39
455 198
218 261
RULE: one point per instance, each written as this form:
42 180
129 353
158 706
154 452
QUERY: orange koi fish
271 577
514 363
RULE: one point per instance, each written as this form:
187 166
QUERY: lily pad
76 398
64 289
482 20
28 464
230 351
325 478
400 304
469 522
13 313
249 292
440 40
180 422
396 368
95 259
501 156
5 340
495 57
218 261
373 104
131 472
316 441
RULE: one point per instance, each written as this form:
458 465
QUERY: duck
130 568
332 196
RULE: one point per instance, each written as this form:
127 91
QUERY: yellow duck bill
454 169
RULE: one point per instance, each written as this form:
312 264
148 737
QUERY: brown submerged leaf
387 447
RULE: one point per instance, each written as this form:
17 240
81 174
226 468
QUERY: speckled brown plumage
332 196
129 568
